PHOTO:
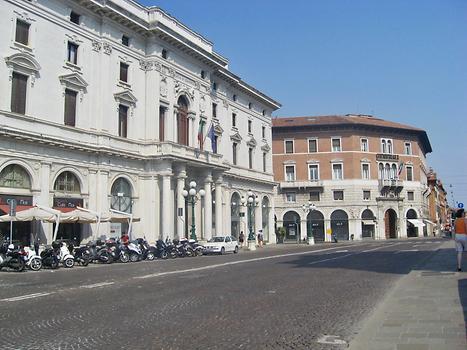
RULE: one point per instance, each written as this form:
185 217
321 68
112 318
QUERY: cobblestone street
284 297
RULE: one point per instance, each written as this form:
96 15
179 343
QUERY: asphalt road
284 297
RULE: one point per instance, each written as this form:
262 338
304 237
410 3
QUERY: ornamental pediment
23 62
73 80
236 137
265 148
218 130
126 97
252 142
365 160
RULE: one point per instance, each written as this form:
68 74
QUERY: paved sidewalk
426 310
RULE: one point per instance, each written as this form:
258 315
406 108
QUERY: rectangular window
336 145
312 146
250 158
124 72
234 153
214 144
22 32
162 111
338 195
409 171
408 148
366 195
74 17
288 146
290 197
214 110
18 93
70 107
263 132
337 173
365 171
249 126
122 121
314 196
313 171
265 155
72 53
234 120
364 145
290 173
410 195
125 40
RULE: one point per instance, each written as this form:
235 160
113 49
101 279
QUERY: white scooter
64 255
33 261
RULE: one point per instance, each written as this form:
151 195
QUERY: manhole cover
331 340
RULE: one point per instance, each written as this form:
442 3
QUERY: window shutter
18 93
70 107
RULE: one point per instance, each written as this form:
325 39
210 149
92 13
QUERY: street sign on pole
460 205
12 212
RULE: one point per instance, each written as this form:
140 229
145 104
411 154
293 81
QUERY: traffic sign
12 204
460 205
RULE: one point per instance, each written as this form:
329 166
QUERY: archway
412 229
235 215
15 184
291 223
368 224
315 225
121 200
390 223
340 225
265 209
182 121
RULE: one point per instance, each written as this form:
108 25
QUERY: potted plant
280 234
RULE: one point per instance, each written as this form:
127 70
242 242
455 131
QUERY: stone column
208 207
219 206
258 217
167 229
43 199
181 176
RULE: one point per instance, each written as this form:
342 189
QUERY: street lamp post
191 196
307 208
250 202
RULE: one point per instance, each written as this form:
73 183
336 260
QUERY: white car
221 245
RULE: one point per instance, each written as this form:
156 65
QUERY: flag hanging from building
200 134
213 137
401 166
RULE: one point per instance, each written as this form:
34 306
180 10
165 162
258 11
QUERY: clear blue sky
400 60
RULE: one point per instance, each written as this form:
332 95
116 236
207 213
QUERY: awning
33 213
368 222
416 222
64 209
78 216
6 208
430 222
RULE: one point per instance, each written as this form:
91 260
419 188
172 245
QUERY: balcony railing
302 184
385 184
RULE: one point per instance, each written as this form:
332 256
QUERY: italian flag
200 134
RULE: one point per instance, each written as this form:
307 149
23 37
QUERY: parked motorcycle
119 252
162 251
33 261
135 252
63 254
82 254
49 258
12 257
149 251
183 248
99 252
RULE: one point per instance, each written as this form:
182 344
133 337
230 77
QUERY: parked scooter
198 248
162 250
82 254
33 261
63 254
183 248
11 257
135 252
149 251
99 252
49 258
119 252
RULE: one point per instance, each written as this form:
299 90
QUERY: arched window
383 146
393 171
15 176
67 182
387 170
381 171
182 120
389 147
121 195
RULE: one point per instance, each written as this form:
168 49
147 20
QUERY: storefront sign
68 202
20 200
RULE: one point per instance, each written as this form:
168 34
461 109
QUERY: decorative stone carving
96 45
163 87
252 142
157 66
107 48
180 87
202 104
225 103
145 65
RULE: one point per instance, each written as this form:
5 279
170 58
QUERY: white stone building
105 104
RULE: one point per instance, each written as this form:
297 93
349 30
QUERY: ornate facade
110 104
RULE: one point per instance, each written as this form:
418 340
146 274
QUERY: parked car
221 245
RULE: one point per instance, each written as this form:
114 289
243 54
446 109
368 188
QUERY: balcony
392 185
316 184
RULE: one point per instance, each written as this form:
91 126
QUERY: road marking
96 285
176 272
406 250
341 251
27 296
331 339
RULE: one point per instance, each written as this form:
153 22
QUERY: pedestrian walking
241 238
37 241
460 236
260 238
